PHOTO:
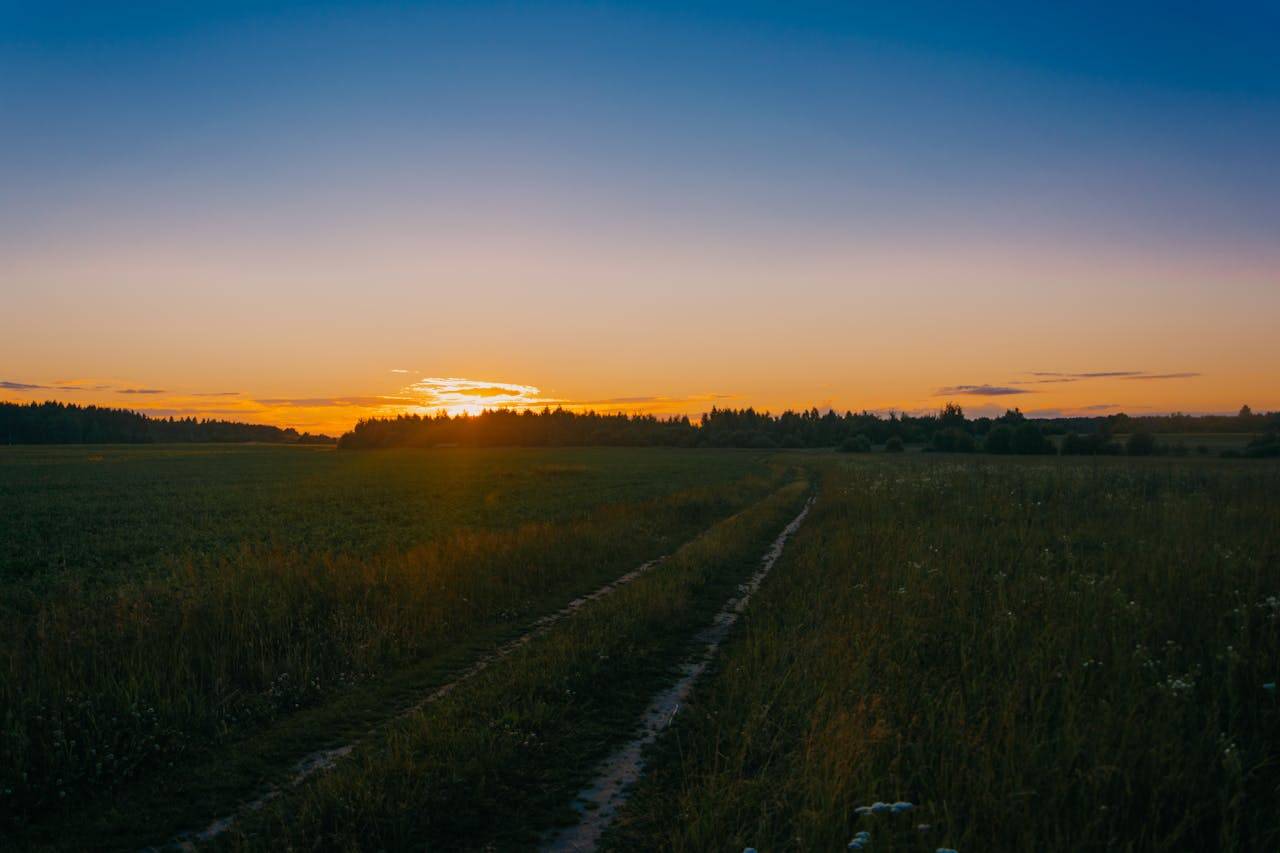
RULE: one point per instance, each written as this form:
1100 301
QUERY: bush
999 440
893 445
952 440
1029 440
856 444
1263 446
1140 444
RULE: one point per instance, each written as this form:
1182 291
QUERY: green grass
499 760
99 515
171 662
1041 655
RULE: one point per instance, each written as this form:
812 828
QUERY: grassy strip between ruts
176 694
1039 656
498 761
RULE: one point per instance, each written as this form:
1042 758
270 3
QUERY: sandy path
599 802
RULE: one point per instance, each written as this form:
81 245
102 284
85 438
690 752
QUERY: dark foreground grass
497 762
110 694
1048 655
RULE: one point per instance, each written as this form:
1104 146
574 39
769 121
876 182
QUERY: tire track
323 760
598 803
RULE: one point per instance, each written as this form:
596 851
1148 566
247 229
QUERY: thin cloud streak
1145 376
981 390
325 402
1054 377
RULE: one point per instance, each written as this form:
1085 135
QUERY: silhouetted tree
67 423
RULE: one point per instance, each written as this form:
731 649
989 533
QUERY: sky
305 214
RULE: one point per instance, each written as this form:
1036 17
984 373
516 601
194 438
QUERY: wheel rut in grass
599 802
320 761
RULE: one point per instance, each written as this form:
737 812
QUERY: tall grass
489 764
100 687
1038 655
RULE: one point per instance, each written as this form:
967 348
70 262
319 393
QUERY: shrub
1029 440
1140 444
856 444
953 440
1074 445
999 440
1264 446
893 445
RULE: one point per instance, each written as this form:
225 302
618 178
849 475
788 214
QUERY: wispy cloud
456 394
980 390
646 400
1098 374
215 394
82 385
20 386
142 391
344 402
1047 376
1144 376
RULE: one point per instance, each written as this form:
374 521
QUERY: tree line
947 430
68 423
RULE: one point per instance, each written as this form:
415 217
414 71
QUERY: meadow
179 623
1035 653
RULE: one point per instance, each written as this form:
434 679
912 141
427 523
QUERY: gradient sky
304 214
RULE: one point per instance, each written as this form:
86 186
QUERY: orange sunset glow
521 242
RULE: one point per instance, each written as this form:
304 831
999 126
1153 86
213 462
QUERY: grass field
250 585
1037 653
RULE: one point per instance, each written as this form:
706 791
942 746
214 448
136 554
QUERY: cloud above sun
456 395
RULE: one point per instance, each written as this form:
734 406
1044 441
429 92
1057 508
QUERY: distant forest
67 423
949 430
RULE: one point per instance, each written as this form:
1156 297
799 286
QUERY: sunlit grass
501 757
105 686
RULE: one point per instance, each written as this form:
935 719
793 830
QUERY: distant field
107 513
1038 653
